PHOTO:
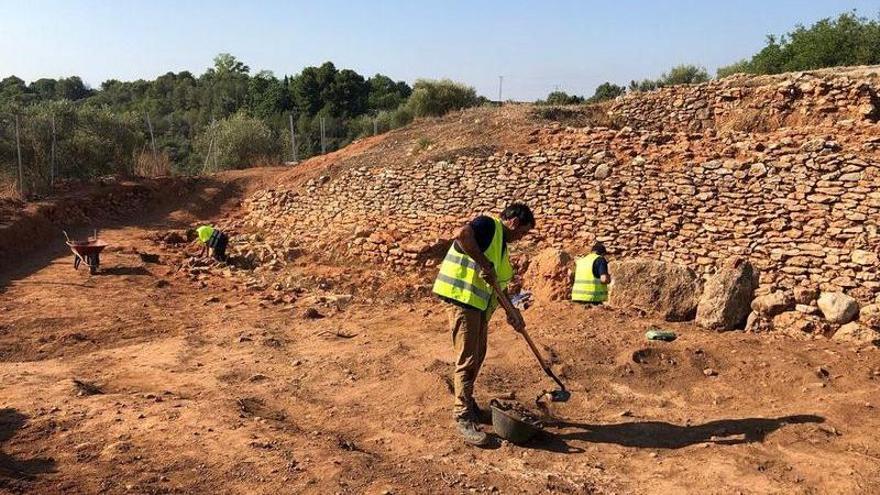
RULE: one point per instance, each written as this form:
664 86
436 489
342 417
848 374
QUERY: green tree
847 40
684 74
72 88
607 91
385 94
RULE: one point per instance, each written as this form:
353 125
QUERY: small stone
710 372
312 314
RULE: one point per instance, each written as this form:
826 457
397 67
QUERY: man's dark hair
599 249
521 212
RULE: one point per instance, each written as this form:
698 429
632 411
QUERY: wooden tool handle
508 306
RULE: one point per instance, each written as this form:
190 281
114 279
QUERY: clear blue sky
536 45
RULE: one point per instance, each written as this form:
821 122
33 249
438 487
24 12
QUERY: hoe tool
560 395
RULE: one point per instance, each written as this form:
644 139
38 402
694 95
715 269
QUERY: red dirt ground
204 388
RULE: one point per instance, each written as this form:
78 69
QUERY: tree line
228 116
848 39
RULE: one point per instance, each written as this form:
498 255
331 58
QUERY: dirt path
204 388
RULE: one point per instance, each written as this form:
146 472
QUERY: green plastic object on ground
655 333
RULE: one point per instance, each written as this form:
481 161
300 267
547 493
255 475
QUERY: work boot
470 434
479 415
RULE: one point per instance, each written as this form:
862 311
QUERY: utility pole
323 141
52 157
292 138
500 83
152 138
18 149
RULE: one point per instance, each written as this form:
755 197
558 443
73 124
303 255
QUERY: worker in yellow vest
214 240
591 277
478 257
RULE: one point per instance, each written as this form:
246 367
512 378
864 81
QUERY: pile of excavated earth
740 214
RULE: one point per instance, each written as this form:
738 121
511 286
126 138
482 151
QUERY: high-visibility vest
205 232
209 235
588 288
459 278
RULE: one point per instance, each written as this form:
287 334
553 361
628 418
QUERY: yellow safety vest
588 288
459 278
205 232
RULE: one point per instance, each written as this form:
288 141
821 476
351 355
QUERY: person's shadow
18 469
661 435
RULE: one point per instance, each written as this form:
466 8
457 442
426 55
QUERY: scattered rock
806 309
710 372
312 314
772 304
838 307
724 304
856 333
797 324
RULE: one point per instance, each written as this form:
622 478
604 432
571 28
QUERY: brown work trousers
470 332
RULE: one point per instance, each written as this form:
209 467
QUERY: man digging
478 258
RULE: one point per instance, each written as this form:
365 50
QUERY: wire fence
41 148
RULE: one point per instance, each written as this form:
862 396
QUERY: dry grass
8 187
150 165
592 115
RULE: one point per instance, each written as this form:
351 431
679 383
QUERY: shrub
236 142
561 98
436 98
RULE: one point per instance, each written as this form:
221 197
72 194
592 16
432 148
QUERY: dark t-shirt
600 267
484 231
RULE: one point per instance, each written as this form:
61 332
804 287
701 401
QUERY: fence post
152 137
323 143
18 151
292 138
375 126
208 155
52 157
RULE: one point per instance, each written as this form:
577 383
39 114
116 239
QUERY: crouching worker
214 240
591 277
478 258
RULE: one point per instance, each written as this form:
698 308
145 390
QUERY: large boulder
838 307
724 304
856 333
549 275
772 304
668 290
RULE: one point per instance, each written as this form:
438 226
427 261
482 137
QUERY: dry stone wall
803 204
753 102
